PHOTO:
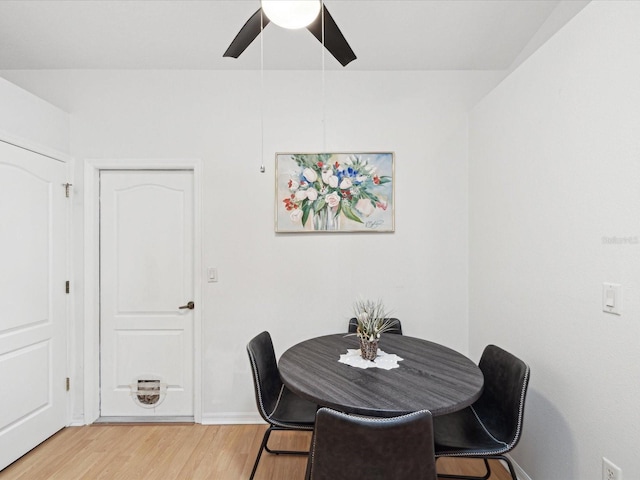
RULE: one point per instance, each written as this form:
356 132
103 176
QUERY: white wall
27 117
554 175
295 286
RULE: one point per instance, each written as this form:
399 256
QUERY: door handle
189 305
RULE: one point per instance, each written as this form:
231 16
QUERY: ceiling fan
333 40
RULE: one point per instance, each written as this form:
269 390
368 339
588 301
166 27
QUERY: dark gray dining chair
277 405
397 326
492 426
345 447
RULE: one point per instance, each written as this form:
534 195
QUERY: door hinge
68 384
67 286
67 189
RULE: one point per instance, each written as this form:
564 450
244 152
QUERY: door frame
92 169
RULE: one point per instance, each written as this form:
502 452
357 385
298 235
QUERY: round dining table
430 377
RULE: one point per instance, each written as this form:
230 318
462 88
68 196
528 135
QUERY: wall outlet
610 471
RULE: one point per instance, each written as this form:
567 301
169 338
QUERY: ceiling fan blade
334 41
247 34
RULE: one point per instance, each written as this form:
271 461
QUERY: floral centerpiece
326 186
373 320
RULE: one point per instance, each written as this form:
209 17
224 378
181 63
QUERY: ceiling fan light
291 13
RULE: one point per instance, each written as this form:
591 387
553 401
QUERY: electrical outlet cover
610 471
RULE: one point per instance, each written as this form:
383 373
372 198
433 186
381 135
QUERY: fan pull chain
324 103
262 167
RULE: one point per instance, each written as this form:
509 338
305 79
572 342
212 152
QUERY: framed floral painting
334 192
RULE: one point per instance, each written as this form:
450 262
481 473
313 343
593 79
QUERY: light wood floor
167 452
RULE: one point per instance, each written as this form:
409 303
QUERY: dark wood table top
431 377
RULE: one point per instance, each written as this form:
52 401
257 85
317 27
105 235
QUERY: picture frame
335 192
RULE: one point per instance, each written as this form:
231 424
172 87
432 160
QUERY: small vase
326 219
368 349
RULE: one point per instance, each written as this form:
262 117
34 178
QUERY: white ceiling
185 34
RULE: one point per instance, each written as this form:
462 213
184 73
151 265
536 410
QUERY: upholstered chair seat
347 447
492 426
277 405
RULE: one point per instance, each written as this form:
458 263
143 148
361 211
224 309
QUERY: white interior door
32 300
146 274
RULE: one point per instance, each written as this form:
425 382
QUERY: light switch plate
612 298
212 274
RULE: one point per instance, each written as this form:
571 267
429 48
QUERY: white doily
384 360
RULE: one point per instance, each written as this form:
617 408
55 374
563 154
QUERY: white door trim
34 147
92 168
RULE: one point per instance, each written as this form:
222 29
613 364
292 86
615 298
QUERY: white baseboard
231 418
226 418
77 422
522 475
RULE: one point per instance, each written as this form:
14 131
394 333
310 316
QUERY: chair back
266 377
347 447
397 326
501 405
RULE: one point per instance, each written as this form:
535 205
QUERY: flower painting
334 192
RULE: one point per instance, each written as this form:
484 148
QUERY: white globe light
291 13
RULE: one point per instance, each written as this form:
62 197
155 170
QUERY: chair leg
264 446
285 452
511 469
265 439
486 464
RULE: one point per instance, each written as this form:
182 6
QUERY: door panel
146 274
33 395
32 300
155 343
